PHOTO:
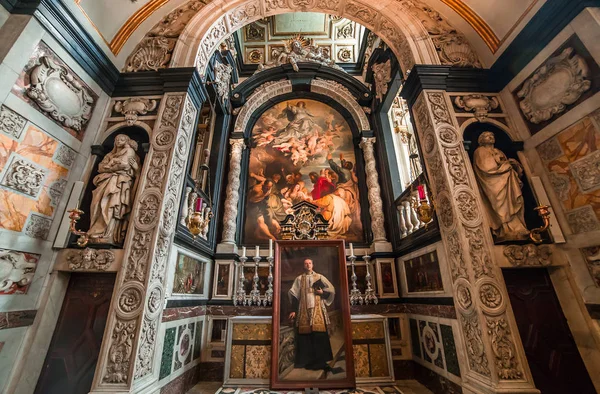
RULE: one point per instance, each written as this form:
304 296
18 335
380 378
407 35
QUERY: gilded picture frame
311 305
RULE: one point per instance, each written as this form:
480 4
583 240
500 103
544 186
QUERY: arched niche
510 148
287 163
136 133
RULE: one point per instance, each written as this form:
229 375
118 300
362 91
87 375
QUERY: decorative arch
271 89
401 30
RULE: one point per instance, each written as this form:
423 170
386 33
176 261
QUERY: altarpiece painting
312 343
302 150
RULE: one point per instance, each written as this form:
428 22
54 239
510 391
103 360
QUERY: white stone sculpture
15 268
557 83
59 94
115 188
382 74
223 80
296 50
500 185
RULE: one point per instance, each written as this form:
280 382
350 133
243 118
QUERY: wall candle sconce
423 208
199 220
544 212
74 216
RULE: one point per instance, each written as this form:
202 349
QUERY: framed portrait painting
312 336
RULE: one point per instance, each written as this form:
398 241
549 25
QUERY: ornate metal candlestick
240 295
74 216
355 295
370 297
269 293
535 234
255 293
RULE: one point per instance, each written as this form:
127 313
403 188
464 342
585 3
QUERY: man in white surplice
310 295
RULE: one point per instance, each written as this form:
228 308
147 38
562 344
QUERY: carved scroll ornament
59 94
477 103
553 86
134 107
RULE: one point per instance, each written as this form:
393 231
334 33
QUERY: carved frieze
38 226
59 94
133 107
90 259
507 365
24 176
528 255
475 348
586 172
119 354
583 219
559 82
479 104
11 123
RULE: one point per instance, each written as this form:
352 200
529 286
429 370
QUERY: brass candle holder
544 212
74 216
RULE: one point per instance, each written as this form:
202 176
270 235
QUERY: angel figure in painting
301 123
113 196
310 295
499 180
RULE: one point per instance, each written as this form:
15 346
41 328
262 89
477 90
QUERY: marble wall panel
572 161
182 347
33 177
434 346
69 105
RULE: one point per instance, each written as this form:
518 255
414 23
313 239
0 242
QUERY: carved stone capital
477 103
134 107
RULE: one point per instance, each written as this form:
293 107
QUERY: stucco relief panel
50 86
572 161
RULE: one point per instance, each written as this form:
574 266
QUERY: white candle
270 248
257 251
351 249
243 251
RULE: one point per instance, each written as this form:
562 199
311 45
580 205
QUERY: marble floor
400 387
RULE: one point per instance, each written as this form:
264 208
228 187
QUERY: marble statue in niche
114 191
499 180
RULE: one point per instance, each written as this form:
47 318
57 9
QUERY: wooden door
553 357
73 353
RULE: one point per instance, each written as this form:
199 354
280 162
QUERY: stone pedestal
495 357
126 363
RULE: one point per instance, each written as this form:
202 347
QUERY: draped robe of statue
113 195
313 348
499 181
